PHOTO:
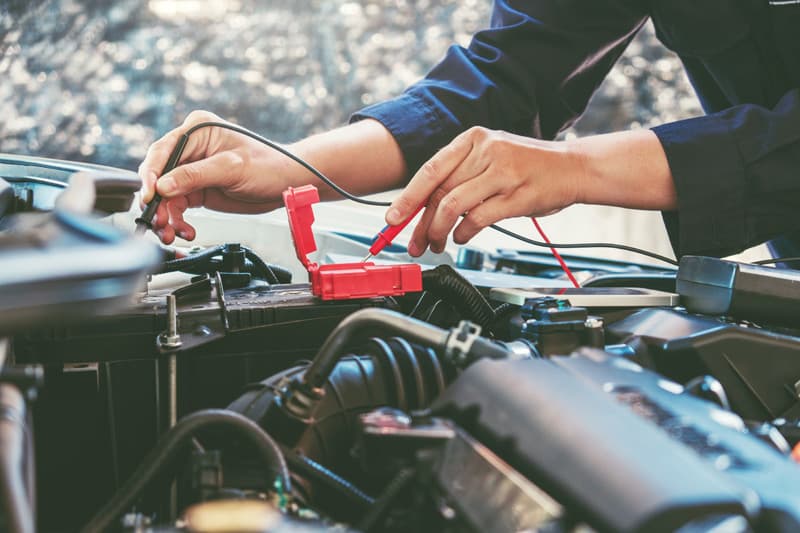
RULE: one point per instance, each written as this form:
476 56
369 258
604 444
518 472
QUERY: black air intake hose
447 284
393 323
391 372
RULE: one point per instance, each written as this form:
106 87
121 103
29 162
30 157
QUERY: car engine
214 391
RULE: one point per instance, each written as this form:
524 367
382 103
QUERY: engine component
758 369
486 493
301 395
391 372
716 435
638 442
556 327
717 287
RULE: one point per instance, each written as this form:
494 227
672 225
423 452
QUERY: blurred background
98 81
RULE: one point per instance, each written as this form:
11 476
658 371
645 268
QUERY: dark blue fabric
534 71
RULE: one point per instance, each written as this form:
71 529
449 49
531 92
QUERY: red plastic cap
346 281
298 202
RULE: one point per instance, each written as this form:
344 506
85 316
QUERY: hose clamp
459 342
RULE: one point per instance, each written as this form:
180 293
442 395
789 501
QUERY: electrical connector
343 281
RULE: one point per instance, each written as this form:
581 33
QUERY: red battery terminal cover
343 281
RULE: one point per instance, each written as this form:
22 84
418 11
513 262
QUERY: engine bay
218 390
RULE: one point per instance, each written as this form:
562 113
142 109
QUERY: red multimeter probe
385 237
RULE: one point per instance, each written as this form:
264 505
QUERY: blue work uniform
736 169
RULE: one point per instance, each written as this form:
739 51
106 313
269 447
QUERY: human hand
486 176
219 169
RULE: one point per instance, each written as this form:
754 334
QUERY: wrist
582 172
624 169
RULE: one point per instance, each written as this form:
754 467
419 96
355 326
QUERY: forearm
626 169
362 158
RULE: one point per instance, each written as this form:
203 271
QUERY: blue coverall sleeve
535 69
532 72
737 175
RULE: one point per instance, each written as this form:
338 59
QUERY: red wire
557 255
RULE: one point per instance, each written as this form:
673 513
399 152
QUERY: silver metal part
490 493
170 340
520 349
460 340
593 322
590 296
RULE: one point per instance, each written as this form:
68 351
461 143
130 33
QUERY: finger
162 216
198 143
419 237
218 170
432 174
148 187
490 211
461 199
158 153
166 234
182 228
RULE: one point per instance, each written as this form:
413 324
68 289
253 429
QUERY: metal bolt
170 339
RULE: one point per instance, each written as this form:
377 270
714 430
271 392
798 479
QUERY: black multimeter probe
145 222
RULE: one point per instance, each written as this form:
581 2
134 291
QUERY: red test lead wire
385 237
557 255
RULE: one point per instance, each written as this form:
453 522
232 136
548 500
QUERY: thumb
148 187
214 171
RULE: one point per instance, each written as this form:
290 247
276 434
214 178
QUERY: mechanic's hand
488 176
220 169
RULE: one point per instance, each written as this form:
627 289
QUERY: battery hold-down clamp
342 281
